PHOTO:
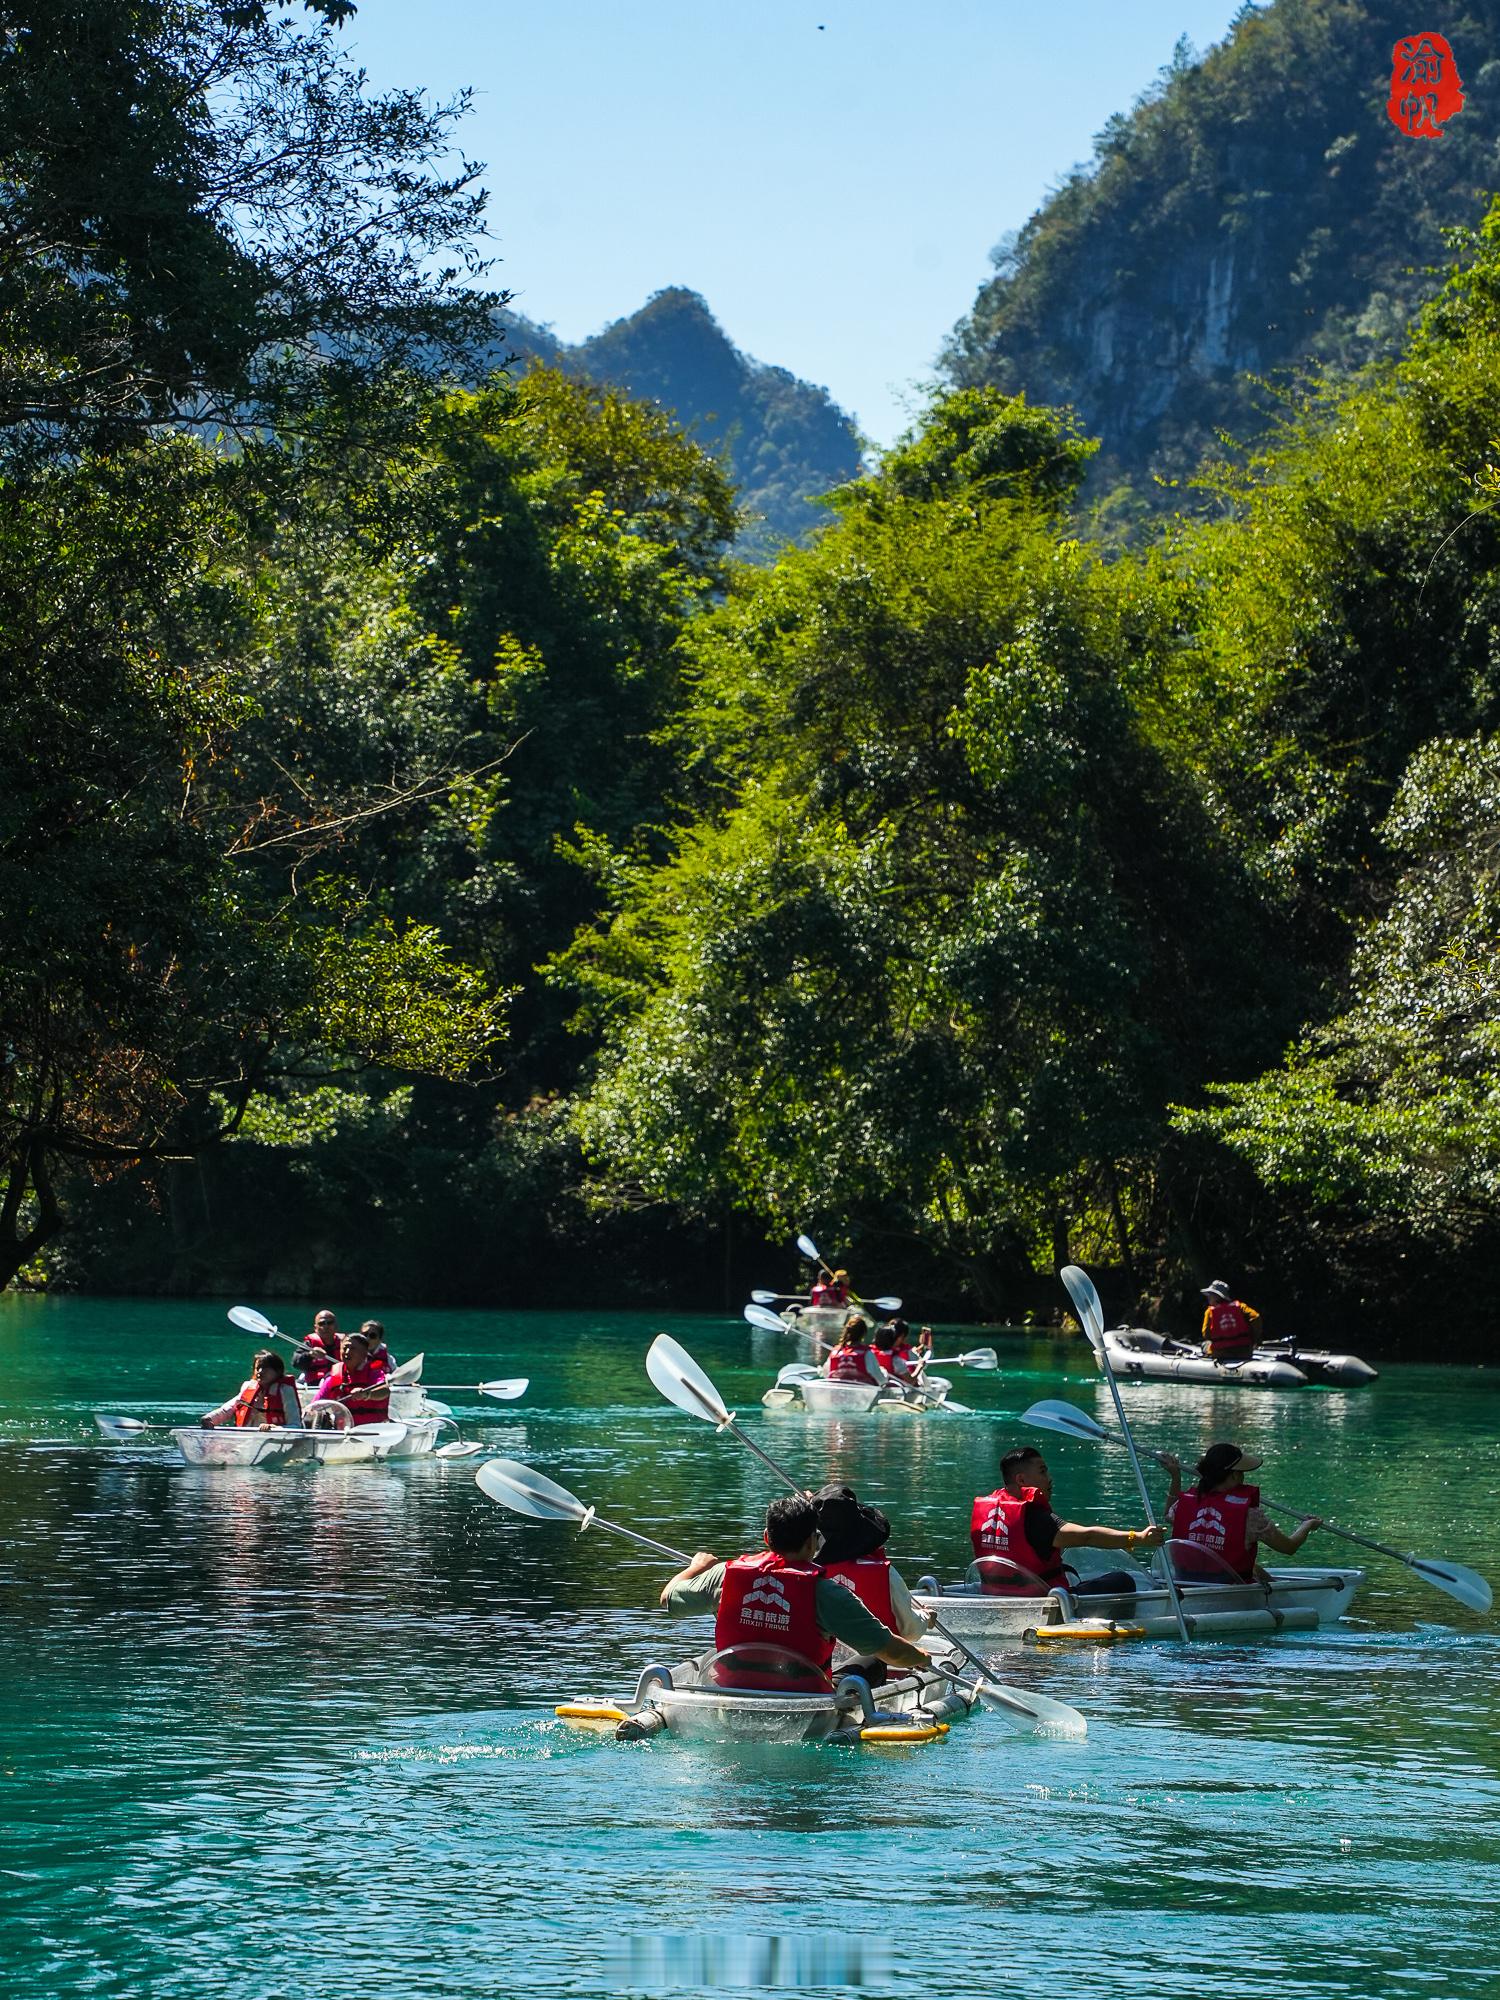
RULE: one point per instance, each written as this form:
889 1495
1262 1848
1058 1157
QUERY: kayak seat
776 1668
998 1576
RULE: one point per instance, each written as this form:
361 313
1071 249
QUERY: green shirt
839 1611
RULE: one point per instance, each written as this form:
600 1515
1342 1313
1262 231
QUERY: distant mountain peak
784 441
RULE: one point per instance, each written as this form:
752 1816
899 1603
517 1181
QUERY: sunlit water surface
291 1732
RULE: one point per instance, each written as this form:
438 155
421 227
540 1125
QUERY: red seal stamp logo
1426 88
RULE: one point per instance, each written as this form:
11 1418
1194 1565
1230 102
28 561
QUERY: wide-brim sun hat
1217 1290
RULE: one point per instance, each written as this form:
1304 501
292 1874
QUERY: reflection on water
317 1702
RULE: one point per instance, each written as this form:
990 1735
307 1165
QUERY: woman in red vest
852 1360
1223 1516
1015 1528
853 1554
779 1597
1228 1325
267 1401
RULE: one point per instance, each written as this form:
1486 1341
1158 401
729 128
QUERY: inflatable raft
1137 1354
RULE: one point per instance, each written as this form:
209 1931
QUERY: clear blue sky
832 190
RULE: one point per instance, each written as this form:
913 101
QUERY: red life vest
849 1364
345 1378
869 1577
321 1360
1217 1522
903 1352
997 1527
830 1294
886 1356
768 1601
272 1405
1229 1331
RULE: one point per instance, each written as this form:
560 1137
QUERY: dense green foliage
782 441
429 863
1253 216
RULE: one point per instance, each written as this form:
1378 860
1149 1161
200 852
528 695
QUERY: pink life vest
850 1364
1218 1522
768 1601
869 1577
997 1527
1229 1331
345 1378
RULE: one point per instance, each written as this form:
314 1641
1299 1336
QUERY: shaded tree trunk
18 1243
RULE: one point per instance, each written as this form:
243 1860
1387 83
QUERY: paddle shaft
630 1535
1140 1480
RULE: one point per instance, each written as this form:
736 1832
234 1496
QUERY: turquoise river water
291 1733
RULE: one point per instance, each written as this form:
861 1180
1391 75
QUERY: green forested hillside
1254 216
783 442
432 867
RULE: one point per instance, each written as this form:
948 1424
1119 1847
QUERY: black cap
849 1528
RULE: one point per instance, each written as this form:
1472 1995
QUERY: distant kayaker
1223 1515
853 1554
1016 1523
780 1599
1228 1324
356 1384
268 1400
318 1353
832 1291
851 1360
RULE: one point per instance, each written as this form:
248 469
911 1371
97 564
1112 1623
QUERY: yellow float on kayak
894 1732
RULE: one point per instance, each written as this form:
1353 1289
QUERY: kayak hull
822 1398
820 1322
232 1446
1139 1356
676 1701
359 1444
989 1622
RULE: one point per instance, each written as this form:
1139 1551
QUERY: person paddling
891 1351
356 1384
1019 1541
832 1290
318 1355
267 1401
1228 1325
852 1360
1223 1515
853 1554
778 1602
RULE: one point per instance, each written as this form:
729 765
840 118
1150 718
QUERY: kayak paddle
810 1249
683 1382
511 1484
1080 1289
886 1305
1466 1585
508 1390
674 1366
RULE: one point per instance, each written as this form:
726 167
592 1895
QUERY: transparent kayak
692 1702
227 1445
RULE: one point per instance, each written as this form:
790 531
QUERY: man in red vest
1228 1325
1015 1529
779 1597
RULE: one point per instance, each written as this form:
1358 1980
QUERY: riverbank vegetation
431 866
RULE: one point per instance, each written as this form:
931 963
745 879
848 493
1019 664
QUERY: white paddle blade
886 1305
119 1427
766 1320
409 1371
982 1358
1467 1585
1080 1289
798 1371
682 1381
517 1486
1048 1717
508 1391
465 1449
765 1298
809 1249
1067 1418
252 1321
